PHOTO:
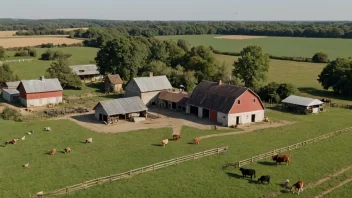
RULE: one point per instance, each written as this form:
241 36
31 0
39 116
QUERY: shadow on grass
98 86
235 175
266 163
190 143
322 93
159 145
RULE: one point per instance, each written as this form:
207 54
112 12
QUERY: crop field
34 41
7 33
114 153
279 46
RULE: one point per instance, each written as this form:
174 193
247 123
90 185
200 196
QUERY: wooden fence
128 174
12 61
287 148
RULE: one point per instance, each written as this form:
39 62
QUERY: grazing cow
264 178
176 137
297 186
68 150
47 128
282 158
196 140
10 142
249 172
89 140
52 151
164 142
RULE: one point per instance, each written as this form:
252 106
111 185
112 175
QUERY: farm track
319 182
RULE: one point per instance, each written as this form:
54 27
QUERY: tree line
152 28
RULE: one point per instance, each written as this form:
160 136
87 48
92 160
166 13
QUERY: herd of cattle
177 137
266 178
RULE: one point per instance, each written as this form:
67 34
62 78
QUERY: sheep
165 142
47 128
52 151
68 150
23 138
26 165
30 132
89 140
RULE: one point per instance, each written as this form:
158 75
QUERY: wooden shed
302 104
10 95
113 83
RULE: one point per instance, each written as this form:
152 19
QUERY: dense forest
153 28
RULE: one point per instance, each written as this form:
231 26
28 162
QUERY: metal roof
11 91
85 69
154 83
212 96
13 84
45 85
123 106
302 101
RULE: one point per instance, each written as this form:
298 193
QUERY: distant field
71 29
22 42
36 68
7 33
280 46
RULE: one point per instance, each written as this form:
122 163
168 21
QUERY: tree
337 75
183 44
189 80
158 68
224 72
53 55
320 57
2 52
252 67
285 90
60 69
32 52
6 74
277 92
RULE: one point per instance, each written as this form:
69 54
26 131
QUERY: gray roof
85 69
123 106
13 84
11 91
45 85
154 83
302 101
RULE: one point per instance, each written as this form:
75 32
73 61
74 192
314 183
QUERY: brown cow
297 186
10 142
196 140
176 137
52 152
282 158
68 150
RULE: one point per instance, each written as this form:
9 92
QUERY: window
81 71
238 101
253 100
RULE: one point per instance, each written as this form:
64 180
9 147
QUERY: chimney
150 74
182 88
42 78
220 82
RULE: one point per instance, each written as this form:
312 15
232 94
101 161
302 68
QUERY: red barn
226 104
40 92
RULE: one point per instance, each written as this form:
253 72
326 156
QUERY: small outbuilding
113 83
302 104
10 95
87 72
111 111
173 100
10 85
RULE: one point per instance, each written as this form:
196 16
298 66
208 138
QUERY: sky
232 10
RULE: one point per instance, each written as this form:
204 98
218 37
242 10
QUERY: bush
11 114
320 57
54 55
2 52
47 45
32 52
277 92
21 53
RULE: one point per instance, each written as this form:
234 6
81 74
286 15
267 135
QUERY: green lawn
36 68
302 75
279 46
343 191
114 153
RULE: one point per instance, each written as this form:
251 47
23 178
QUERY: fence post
130 172
110 178
218 150
176 161
194 156
252 159
67 191
153 167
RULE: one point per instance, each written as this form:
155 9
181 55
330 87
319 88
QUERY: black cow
264 178
249 172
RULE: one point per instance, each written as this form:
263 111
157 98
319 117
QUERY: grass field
279 46
114 153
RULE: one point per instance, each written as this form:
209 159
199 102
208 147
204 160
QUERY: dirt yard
33 41
239 37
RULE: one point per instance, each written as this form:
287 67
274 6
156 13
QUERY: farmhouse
302 104
225 104
111 111
147 88
10 85
40 92
113 83
87 72
173 100
10 95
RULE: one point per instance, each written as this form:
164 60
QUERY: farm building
40 92
10 95
302 104
147 88
225 104
87 72
173 100
113 83
111 111
10 85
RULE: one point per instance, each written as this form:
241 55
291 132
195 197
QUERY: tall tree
60 69
2 52
6 74
320 57
252 67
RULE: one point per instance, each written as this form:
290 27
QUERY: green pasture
115 153
343 191
278 46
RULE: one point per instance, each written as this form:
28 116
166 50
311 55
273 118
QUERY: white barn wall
200 112
222 119
246 117
41 101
